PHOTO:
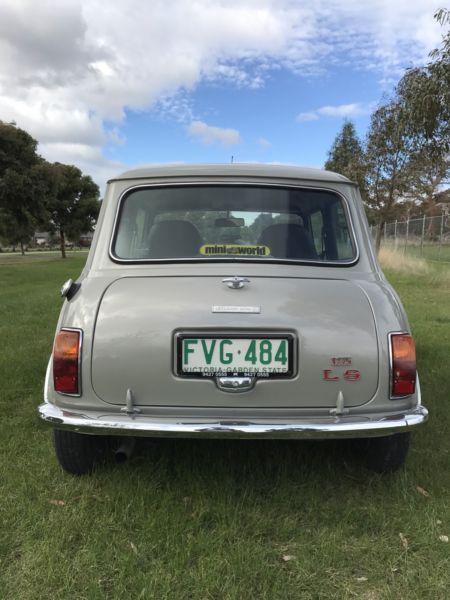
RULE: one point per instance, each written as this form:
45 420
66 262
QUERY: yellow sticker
234 249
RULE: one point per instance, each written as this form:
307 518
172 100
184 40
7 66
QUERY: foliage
427 172
17 148
404 169
389 150
346 156
21 190
72 201
425 91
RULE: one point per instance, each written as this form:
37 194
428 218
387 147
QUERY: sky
112 85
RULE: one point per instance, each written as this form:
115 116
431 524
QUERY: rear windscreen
203 222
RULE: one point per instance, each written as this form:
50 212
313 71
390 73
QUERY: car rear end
232 301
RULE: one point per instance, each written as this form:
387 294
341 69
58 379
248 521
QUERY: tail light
66 362
403 365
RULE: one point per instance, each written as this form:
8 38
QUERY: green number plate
199 356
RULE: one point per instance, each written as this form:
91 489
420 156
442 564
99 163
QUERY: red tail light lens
66 361
403 353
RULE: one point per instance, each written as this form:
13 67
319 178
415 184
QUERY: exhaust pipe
125 450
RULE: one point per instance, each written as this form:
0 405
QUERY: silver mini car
231 301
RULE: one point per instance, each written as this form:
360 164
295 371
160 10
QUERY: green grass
431 252
213 519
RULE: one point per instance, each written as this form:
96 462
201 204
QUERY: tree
346 156
409 138
404 160
425 95
425 91
72 203
389 151
36 193
11 233
17 148
428 173
19 210
21 191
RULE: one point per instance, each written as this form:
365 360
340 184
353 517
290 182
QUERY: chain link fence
426 237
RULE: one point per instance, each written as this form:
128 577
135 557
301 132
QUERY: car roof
232 169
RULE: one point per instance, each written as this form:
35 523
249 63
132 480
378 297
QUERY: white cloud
264 143
304 117
53 120
356 109
344 110
90 159
70 71
209 134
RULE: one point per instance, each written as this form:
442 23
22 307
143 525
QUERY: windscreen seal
241 259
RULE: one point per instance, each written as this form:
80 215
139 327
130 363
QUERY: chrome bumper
319 428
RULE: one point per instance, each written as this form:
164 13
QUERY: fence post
423 235
395 235
440 235
406 237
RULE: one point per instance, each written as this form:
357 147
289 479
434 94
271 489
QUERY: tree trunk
379 234
22 249
62 239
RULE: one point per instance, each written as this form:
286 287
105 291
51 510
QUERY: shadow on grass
318 481
255 462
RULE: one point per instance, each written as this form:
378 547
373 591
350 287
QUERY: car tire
77 453
386 454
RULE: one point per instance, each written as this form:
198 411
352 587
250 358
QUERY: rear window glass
203 222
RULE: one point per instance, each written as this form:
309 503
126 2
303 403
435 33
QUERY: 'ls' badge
348 375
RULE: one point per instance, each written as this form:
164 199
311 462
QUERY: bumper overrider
346 426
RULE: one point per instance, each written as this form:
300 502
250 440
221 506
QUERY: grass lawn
214 519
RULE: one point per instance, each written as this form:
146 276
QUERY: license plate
254 356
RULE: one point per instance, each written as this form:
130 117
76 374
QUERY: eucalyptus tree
425 91
408 143
388 153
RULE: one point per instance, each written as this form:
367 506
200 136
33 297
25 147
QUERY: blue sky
266 119
107 86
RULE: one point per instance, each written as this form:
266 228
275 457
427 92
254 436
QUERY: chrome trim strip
80 350
320 428
255 183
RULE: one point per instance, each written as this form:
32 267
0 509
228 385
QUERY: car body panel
138 318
